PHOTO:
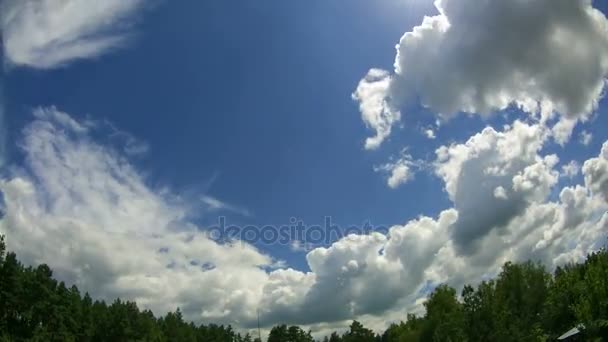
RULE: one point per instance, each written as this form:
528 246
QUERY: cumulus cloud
50 33
400 171
571 170
595 171
507 181
370 277
543 56
81 207
493 177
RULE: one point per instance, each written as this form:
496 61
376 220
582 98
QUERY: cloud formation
46 34
571 170
595 171
3 130
81 207
543 56
376 109
585 137
400 171
499 177
493 177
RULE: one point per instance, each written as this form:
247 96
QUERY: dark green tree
444 320
358 333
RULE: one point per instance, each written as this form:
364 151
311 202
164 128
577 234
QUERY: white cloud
585 138
540 55
595 171
562 130
571 170
500 192
299 246
373 277
215 204
376 111
400 171
491 160
50 33
3 130
429 133
83 209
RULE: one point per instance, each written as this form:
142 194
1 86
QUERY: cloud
571 170
85 210
595 171
542 56
214 204
3 130
299 246
400 171
493 177
373 277
376 110
585 138
46 34
81 207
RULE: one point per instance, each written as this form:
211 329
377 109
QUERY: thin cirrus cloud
46 34
543 56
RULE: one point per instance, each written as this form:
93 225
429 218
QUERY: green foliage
523 303
358 333
2 248
282 333
444 320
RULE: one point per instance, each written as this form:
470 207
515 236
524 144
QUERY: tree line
523 302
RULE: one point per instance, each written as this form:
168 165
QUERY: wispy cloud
3 130
46 34
89 214
585 138
401 170
215 204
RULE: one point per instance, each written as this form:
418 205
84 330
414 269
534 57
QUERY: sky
146 147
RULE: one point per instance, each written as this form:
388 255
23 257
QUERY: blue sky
251 104
254 99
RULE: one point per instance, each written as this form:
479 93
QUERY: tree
520 294
282 333
2 248
358 333
10 305
334 337
444 320
523 303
